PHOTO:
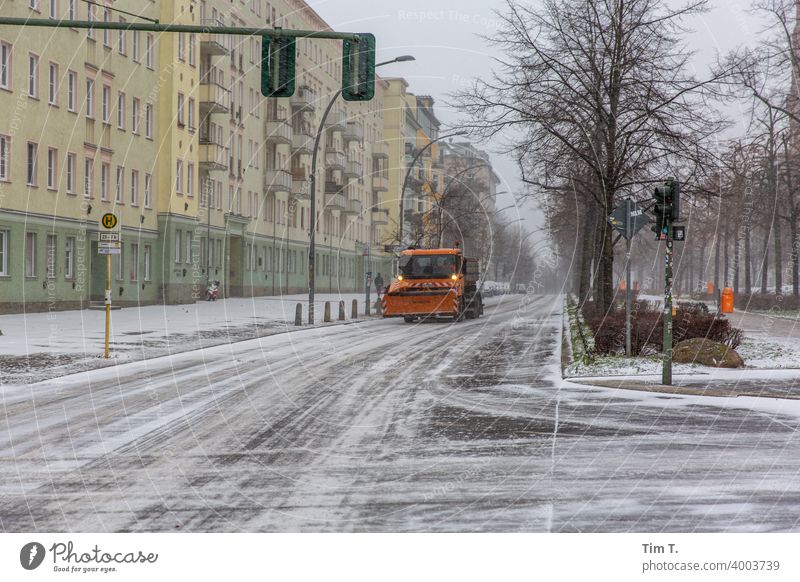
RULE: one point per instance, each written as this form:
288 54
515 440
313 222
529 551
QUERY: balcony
354 132
212 156
303 100
380 150
353 170
278 131
335 159
214 98
380 184
277 181
336 120
300 184
353 207
334 199
380 216
212 44
302 143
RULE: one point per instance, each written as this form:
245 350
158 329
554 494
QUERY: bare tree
595 94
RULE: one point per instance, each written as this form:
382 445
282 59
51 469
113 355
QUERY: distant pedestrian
379 284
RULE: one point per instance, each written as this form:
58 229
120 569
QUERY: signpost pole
628 293
108 303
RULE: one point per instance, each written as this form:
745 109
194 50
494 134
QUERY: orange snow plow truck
434 283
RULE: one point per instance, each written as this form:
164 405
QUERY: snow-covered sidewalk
38 346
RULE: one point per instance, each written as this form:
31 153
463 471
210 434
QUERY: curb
679 390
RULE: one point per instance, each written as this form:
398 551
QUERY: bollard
727 300
354 310
378 308
366 308
341 310
327 312
298 314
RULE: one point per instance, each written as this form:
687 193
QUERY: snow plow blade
420 304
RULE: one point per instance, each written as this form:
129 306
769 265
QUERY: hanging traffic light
278 66
358 68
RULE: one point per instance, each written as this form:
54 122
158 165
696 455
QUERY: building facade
171 133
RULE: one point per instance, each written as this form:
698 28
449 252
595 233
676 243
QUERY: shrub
766 302
647 329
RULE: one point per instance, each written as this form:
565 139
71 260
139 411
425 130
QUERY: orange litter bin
710 287
726 304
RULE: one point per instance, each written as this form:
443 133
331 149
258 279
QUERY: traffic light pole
666 372
628 292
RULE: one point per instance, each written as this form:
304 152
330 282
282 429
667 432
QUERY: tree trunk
716 261
748 281
736 263
765 265
778 257
795 257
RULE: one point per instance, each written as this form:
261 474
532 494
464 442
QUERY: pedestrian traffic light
278 66
667 207
358 68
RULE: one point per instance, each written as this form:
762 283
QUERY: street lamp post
408 175
312 246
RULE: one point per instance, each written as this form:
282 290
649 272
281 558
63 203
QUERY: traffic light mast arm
158 27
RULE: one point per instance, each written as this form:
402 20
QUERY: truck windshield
429 266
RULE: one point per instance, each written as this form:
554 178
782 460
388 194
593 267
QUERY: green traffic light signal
278 66
358 68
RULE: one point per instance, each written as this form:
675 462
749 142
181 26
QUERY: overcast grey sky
444 37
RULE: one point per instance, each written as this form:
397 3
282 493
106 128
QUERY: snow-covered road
384 426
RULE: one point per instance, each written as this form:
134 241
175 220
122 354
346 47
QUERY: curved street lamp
408 175
312 188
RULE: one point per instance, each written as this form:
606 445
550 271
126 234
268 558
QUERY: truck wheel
408 319
461 310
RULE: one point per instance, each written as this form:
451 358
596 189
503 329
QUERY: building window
52 160
5 65
181 120
123 44
52 84
179 177
135 116
134 262
188 255
50 265
71 9
148 121
72 89
89 177
120 265
105 176
30 254
181 46
105 104
3 253
177 246
106 32
148 185
120 184
191 49
190 179
191 114
70 173
90 17
69 257
33 76
137 57
147 254
31 165
5 157
148 56
121 110
90 98
134 187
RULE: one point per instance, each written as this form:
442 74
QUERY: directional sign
109 245
679 233
619 219
109 221
114 251
109 237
